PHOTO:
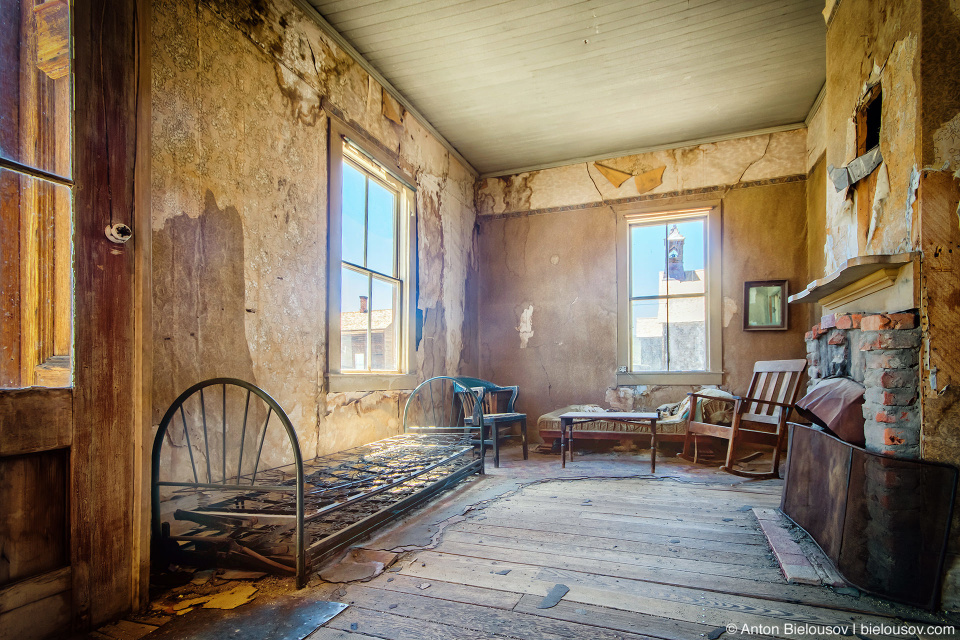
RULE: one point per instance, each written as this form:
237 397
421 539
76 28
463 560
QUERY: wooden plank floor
642 558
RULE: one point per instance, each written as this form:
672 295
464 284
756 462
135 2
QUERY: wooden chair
496 412
765 408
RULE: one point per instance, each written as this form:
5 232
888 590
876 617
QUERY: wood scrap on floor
800 559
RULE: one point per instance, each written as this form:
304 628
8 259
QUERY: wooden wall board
104 448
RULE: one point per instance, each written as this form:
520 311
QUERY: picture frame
765 305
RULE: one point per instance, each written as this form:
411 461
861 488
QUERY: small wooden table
567 420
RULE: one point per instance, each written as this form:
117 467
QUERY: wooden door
71 522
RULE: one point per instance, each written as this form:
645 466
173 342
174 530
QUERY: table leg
653 446
563 443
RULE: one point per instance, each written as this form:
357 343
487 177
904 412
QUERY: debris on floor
358 565
239 574
289 616
232 599
554 596
124 630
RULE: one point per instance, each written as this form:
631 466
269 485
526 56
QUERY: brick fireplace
880 351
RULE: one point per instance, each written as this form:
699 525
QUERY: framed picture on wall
765 305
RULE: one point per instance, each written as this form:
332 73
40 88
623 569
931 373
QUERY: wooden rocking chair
766 407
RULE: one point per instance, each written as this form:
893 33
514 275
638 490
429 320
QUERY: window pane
35 93
385 310
647 257
36 311
354 293
649 329
353 219
688 337
685 257
382 234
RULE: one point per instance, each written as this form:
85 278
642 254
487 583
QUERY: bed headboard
215 433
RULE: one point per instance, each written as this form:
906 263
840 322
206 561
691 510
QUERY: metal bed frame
230 506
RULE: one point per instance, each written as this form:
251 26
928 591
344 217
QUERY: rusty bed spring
345 495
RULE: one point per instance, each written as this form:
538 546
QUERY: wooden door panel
33 515
33 420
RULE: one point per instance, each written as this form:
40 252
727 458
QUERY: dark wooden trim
33 172
9 279
103 455
9 200
33 420
143 393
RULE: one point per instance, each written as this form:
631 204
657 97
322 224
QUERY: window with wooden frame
36 219
372 248
668 271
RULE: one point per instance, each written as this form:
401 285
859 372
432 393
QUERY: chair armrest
693 394
785 405
743 400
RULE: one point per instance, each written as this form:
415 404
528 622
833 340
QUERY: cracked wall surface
241 92
548 311
870 42
722 163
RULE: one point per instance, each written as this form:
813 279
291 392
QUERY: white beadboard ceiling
518 84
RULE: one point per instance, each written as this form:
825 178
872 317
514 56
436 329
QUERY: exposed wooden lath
521 83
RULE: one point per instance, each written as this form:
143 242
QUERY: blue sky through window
369 217
648 253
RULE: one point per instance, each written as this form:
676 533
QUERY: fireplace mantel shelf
855 269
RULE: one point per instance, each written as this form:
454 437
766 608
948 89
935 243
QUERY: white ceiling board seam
500 36
704 40
634 152
327 28
424 30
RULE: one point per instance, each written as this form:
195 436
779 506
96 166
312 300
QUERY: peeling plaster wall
817 185
548 317
816 137
239 191
912 47
940 105
723 163
870 41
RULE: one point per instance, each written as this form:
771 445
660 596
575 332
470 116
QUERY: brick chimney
880 351
363 304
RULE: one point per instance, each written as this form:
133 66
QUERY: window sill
340 382
664 378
